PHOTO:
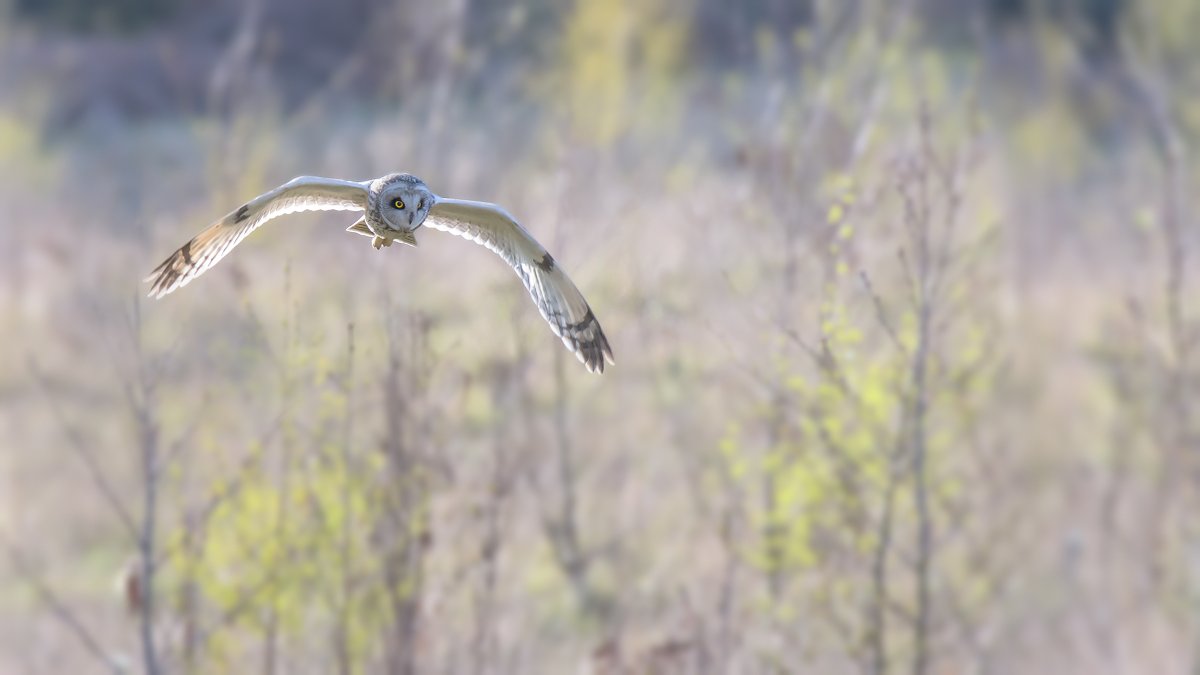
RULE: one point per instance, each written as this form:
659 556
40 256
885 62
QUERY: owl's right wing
559 301
306 193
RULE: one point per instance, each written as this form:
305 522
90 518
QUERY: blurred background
902 295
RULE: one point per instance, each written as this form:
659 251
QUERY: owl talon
379 242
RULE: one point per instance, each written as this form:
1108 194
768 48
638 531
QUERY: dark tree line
723 32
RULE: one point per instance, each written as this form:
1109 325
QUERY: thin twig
881 312
76 443
60 609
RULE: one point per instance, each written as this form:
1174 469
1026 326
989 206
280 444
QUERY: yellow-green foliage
1050 137
829 454
293 549
1164 37
834 457
616 69
1166 29
19 148
754 432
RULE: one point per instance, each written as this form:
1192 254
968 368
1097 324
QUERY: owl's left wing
305 193
557 298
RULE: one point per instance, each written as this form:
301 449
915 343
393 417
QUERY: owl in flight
394 207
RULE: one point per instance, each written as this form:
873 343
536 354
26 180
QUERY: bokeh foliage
383 462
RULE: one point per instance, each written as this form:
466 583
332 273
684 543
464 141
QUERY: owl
393 208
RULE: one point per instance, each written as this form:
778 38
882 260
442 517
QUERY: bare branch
881 312
60 610
76 443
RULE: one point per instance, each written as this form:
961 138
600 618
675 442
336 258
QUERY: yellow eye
399 203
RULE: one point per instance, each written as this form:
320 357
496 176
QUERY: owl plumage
394 207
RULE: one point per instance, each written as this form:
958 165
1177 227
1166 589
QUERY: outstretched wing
306 193
561 304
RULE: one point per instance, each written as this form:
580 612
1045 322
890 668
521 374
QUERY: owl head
399 201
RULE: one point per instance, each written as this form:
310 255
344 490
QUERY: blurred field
902 297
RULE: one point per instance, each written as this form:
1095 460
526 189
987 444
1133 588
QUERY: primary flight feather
394 207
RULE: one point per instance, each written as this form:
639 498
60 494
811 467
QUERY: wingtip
593 354
159 287
605 350
155 281
594 350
